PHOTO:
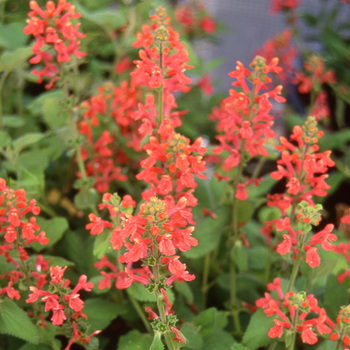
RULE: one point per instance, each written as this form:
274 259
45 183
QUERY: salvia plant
140 209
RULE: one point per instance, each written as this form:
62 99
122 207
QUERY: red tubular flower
53 27
304 169
243 118
292 311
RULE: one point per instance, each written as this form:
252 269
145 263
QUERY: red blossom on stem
53 27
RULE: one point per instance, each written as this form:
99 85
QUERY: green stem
294 335
273 346
140 312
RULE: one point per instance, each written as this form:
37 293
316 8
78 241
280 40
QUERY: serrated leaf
218 340
184 289
14 321
54 228
101 313
134 340
102 244
192 335
26 140
255 335
10 59
210 319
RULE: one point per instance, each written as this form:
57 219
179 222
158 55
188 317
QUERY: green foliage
255 335
134 340
54 229
14 321
11 59
101 313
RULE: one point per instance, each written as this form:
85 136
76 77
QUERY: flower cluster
341 332
163 61
281 46
64 302
152 237
277 6
243 118
303 167
295 313
311 81
53 27
299 240
195 19
18 230
171 165
109 130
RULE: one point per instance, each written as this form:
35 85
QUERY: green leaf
102 244
134 340
256 333
11 35
35 347
192 334
5 139
157 343
26 140
246 210
336 295
84 199
78 246
185 290
239 255
208 232
10 59
14 321
140 293
257 258
58 261
13 121
107 19
325 345
35 161
335 140
324 269
218 339
53 113
210 319
36 107
101 313
54 228
239 347
33 183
